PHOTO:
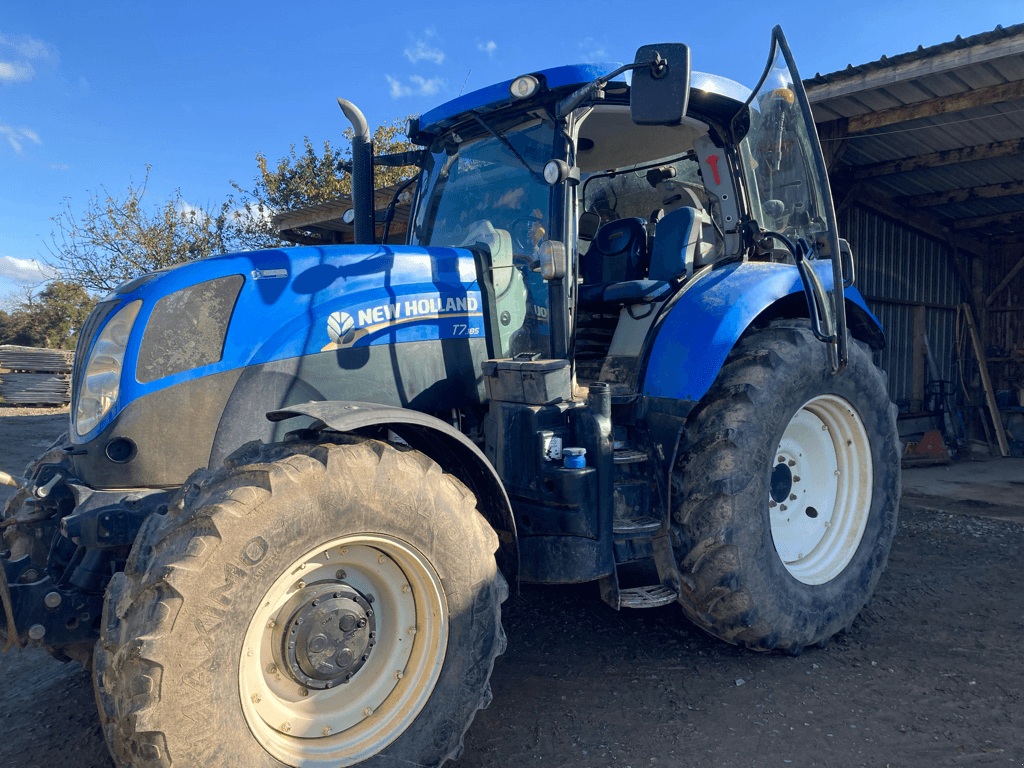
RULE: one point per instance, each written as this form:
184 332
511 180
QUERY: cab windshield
483 185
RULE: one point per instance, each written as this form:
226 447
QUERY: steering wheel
521 229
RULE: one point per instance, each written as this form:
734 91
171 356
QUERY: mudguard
446 445
702 326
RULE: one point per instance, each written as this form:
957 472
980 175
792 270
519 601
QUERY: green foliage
118 238
305 178
51 318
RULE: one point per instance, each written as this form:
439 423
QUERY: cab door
787 182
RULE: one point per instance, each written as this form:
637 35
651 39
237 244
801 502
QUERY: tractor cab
591 205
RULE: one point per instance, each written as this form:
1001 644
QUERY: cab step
635 527
646 597
630 456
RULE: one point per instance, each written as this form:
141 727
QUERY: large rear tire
789 489
312 604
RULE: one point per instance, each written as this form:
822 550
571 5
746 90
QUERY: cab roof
497 95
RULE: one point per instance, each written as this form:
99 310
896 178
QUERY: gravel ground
931 674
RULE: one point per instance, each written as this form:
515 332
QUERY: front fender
455 452
710 316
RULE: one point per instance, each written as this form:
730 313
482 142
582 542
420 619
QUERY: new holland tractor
621 345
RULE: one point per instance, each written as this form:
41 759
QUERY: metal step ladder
631 523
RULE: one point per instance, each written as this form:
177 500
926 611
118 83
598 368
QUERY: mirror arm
657 65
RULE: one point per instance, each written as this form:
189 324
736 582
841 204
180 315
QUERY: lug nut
271 668
326 731
368 711
792 497
303 692
340 575
52 599
36 631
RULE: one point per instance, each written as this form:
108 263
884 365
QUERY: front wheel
314 604
789 492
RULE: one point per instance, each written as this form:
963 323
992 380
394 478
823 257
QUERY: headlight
102 377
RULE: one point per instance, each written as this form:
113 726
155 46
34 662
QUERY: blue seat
675 243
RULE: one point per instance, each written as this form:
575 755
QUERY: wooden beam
931 64
955 102
937 159
834 142
982 221
1005 281
885 205
990 395
963 195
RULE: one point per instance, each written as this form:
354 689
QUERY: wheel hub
820 489
324 634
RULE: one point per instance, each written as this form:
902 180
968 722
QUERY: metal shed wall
897 268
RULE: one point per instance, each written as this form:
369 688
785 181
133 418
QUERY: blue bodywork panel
301 301
708 319
497 95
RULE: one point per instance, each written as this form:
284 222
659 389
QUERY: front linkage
62 541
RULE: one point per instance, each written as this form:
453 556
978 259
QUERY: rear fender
703 325
455 452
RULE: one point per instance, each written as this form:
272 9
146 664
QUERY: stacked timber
35 376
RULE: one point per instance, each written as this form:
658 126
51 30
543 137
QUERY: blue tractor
621 345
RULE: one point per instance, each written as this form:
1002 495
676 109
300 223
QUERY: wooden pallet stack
33 376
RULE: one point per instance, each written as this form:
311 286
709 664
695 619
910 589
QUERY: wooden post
917 359
990 395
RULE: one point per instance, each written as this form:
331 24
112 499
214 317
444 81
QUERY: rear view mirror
659 93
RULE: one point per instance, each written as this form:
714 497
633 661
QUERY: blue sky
92 92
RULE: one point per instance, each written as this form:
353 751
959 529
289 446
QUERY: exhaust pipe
362 174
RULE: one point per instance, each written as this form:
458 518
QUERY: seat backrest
675 242
618 253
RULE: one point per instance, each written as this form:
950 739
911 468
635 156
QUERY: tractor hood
256 308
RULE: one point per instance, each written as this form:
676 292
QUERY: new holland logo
344 329
341 327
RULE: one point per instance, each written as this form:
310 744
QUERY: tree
118 238
304 178
51 318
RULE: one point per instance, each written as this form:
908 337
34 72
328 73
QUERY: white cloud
489 47
427 87
397 89
29 47
16 136
420 86
25 271
421 51
187 209
16 72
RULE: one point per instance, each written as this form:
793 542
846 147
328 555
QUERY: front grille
85 338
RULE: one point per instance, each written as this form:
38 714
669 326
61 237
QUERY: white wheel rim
348 722
818 522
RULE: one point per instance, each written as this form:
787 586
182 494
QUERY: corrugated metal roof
972 91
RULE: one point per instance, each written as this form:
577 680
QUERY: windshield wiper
508 145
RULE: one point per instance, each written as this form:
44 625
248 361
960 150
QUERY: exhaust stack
362 173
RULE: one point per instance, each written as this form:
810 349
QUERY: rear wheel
788 492
310 605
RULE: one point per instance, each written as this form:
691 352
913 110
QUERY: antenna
465 81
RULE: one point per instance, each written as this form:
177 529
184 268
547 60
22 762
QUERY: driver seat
676 242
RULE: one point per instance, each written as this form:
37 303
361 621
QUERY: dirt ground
931 674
